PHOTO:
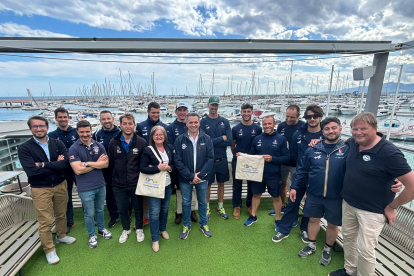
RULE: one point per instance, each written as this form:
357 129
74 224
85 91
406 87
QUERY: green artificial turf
234 249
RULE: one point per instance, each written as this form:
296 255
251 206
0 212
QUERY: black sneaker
105 234
178 218
339 272
112 222
69 227
305 252
194 216
325 258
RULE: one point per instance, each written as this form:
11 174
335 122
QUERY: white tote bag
152 185
250 167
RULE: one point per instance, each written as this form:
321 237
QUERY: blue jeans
158 213
291 214
93 205
237 189
186 192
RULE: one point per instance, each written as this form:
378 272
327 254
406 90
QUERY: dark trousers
237 188
124 196
291 214
110 198
70 178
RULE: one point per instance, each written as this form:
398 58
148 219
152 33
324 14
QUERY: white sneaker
93 241
140 235
52 258
66 239
124 236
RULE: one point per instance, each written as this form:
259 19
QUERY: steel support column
376 83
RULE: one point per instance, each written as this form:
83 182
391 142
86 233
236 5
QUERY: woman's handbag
152 185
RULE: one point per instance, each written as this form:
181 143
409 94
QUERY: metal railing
9 160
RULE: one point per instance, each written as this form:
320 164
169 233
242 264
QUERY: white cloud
12 29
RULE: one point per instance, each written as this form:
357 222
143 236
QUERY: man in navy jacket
275 150
68 135
322 171
174 130
143 129
124 153
300 141
218 128
44 160
194 157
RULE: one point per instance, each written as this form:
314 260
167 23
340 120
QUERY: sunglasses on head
314 116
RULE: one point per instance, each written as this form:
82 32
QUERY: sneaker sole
250 223
280 239
205 234
185 236
93 246
305 256
305 242
324 264
65 242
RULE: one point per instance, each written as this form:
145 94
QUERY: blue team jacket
184 157
216 128
68 137
275 145
174 130
322 173
299 144
143 129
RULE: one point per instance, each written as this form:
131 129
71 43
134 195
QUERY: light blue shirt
45 147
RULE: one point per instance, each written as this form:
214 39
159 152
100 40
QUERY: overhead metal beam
147 45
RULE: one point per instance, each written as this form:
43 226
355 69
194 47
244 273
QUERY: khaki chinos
361 230
50 201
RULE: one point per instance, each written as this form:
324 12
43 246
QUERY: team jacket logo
202 144
222 125
340 152
95 150
253 132
366 158
274 143
259 143
118 149
183 146
135 151
207 127
73 138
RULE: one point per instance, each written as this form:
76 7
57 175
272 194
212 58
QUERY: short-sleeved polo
80 152
370 174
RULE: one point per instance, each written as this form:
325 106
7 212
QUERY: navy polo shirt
79 152
244 135
370 174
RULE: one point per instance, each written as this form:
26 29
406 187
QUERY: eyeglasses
159 135
308 117
38 126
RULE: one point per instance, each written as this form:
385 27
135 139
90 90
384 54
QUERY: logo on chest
274 143
135 151
259 143
366 158
118 149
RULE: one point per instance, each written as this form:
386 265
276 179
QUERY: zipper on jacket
328 157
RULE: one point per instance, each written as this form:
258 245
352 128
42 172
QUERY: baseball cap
181 104
214 100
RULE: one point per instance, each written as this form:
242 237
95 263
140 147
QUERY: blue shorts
319 206
274 187
220 171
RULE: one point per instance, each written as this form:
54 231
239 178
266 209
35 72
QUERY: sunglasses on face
309 117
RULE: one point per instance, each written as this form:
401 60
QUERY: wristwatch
86 164
40 165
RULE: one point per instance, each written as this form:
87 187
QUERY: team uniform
243 135
143 129
216 128
277 146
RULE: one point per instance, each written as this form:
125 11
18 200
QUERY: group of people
349 183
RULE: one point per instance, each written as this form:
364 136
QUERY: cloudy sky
229 19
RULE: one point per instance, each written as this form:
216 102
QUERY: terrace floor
234 249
